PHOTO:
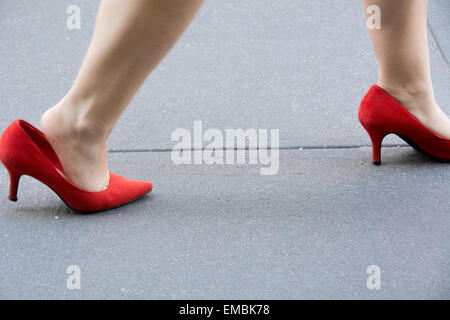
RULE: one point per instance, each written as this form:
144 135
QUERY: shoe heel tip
12 199
377 163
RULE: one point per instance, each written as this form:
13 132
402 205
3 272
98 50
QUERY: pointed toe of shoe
120 192
133 189
142 187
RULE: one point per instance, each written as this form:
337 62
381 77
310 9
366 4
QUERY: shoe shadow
409 157
58 210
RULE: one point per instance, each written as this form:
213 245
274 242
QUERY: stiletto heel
25 150
376 137
14 178
380 114
377 140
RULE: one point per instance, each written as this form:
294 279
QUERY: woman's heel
14 178
376 136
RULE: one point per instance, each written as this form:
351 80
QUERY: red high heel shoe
24 150
380 114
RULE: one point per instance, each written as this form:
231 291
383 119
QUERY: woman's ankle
415 95
70 120
81 146
418 98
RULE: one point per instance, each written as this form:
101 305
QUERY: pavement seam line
323 147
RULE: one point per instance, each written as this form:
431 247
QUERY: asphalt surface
225 231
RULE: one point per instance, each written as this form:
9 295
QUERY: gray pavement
225 231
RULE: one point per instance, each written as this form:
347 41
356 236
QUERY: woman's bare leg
130 38
401 48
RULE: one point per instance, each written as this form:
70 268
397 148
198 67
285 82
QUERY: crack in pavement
436 47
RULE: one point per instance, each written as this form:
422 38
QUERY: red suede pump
24 150
381 114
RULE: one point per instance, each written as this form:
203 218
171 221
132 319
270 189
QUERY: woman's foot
80 145
421 103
